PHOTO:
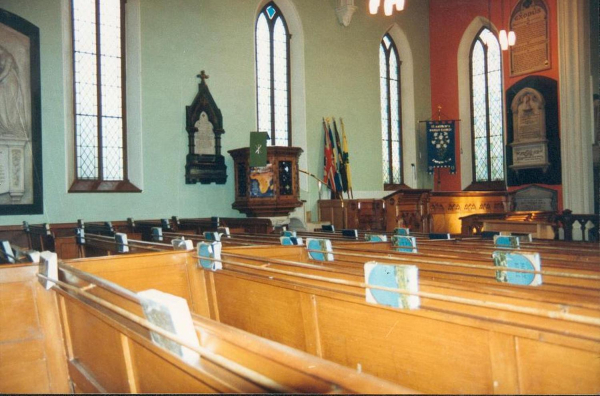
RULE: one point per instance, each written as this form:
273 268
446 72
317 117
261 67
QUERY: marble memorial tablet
204 138
529 145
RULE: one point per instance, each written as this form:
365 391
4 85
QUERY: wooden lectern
269 191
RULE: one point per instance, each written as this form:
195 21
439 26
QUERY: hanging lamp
506 39
388 6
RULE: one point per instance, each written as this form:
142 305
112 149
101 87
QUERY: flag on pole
340 158
346 157
328 165
336 176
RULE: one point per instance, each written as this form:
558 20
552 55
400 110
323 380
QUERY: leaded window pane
487 108
263 73
272 75
280 58
98 98
391 133
384 113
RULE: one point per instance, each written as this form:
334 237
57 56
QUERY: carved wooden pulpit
268 191
204 125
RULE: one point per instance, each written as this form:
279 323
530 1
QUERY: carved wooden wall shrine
204 125
272 190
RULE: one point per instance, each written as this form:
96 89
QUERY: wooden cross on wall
203 76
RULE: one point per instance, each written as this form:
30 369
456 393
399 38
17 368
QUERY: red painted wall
448 20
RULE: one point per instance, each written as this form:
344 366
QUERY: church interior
300 196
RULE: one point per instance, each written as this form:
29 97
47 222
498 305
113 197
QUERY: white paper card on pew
224 231
523 238
157 234
404 277
49 268
212 236
522 261
319 249
210 255
506 241
7 252
406 244
80 236
172 314
182 244
290 234
33 256
291 241
122 244
376 238
402 231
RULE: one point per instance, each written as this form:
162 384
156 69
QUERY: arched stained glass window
391 110
273 75
486 108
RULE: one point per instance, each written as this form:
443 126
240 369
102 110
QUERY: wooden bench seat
472 349
108 352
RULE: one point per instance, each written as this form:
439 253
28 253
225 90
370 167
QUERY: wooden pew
32 356
54 238
250 225
111 352
474 349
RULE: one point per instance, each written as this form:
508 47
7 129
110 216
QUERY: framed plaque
533 154
20 117
531 52
204 125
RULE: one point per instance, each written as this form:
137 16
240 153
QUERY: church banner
440 145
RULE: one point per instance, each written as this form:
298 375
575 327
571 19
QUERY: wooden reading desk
538 229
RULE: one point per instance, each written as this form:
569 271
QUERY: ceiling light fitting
388 6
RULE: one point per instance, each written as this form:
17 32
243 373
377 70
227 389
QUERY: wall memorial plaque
20 117
204 139
531 52
534 198
530 147
204 125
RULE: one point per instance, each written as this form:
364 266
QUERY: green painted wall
180 38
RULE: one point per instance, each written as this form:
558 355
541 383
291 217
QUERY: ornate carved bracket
345 10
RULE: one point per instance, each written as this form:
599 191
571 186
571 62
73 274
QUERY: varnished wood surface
31 350
130 362
443 347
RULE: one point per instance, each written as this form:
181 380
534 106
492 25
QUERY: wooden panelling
394 349
113 353
31 353
261 309
104 364
503 363
446 209
162 271
363 214
169 379
66 248
444 347
20 363
543 367
18 312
